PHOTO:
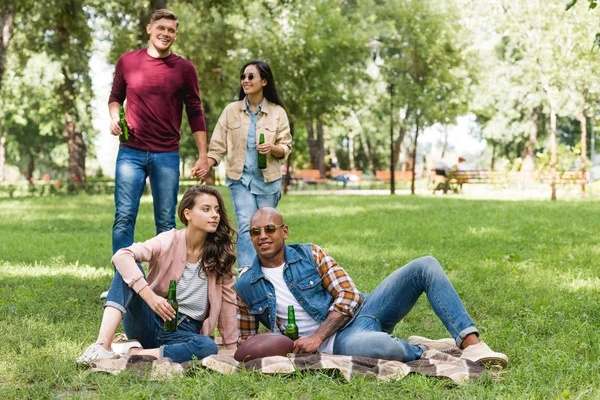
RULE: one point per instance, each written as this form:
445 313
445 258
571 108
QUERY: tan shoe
447 345
483 355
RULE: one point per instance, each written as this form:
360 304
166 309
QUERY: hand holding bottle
157 303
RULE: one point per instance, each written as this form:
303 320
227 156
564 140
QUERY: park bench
456 179
399 176
308 177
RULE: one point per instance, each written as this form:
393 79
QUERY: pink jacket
166 256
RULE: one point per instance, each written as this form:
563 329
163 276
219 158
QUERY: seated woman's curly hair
219 254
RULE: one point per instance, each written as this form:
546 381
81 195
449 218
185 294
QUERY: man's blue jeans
245 203
143 324
369 335
133 167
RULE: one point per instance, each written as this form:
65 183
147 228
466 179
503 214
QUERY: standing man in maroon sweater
157 84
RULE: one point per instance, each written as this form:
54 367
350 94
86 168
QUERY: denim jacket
302 278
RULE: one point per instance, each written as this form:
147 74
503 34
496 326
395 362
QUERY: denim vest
302 278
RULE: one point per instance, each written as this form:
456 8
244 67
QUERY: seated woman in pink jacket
200 259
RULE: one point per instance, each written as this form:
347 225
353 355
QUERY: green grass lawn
527 272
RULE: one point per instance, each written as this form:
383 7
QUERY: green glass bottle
171 326
291 330
262 158
123 124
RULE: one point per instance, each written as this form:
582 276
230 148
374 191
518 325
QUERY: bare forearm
113 110
334 322
277 151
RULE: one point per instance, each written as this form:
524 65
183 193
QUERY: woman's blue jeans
245 204
133 167
143 324
369 335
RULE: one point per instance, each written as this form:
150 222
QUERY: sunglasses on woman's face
269 229
250 77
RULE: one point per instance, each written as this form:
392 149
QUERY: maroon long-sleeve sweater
156 90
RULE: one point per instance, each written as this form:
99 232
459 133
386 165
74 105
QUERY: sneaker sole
491 361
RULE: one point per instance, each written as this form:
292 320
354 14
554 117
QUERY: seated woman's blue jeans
143 324
369 335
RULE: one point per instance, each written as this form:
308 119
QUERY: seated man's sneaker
483 355
95 352
123 346
446 345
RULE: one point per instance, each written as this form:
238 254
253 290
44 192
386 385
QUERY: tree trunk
2 150
351 137
75 143
30 166
77 151
528 164
414 157
312 144
553 149
493 156
445 141
320 150
6 28
549 90
398 146
583 122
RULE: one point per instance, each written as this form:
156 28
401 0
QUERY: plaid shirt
347 298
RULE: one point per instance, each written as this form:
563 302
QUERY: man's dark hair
163 13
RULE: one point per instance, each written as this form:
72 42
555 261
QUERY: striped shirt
346 296
192 291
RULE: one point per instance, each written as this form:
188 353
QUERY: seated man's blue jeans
133 167
369 335
245 203
143 324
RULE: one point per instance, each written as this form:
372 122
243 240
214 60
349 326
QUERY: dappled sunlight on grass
79 271
7 370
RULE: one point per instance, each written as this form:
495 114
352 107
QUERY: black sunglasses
269 229
250 76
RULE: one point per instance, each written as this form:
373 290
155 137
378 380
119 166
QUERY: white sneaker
103 295
95 352
123 347
446 345
483 355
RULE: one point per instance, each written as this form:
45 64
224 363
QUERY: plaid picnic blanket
432 363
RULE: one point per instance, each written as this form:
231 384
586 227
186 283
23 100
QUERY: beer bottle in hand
171 326
123 124
291 330
262 158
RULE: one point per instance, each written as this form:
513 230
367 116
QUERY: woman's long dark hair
218 256
270 90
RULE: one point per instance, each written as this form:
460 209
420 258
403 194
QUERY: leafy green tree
60 30
426 59
317 55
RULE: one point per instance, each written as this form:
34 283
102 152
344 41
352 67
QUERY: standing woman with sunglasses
237 134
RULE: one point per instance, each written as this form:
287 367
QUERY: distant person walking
237 134
157 84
